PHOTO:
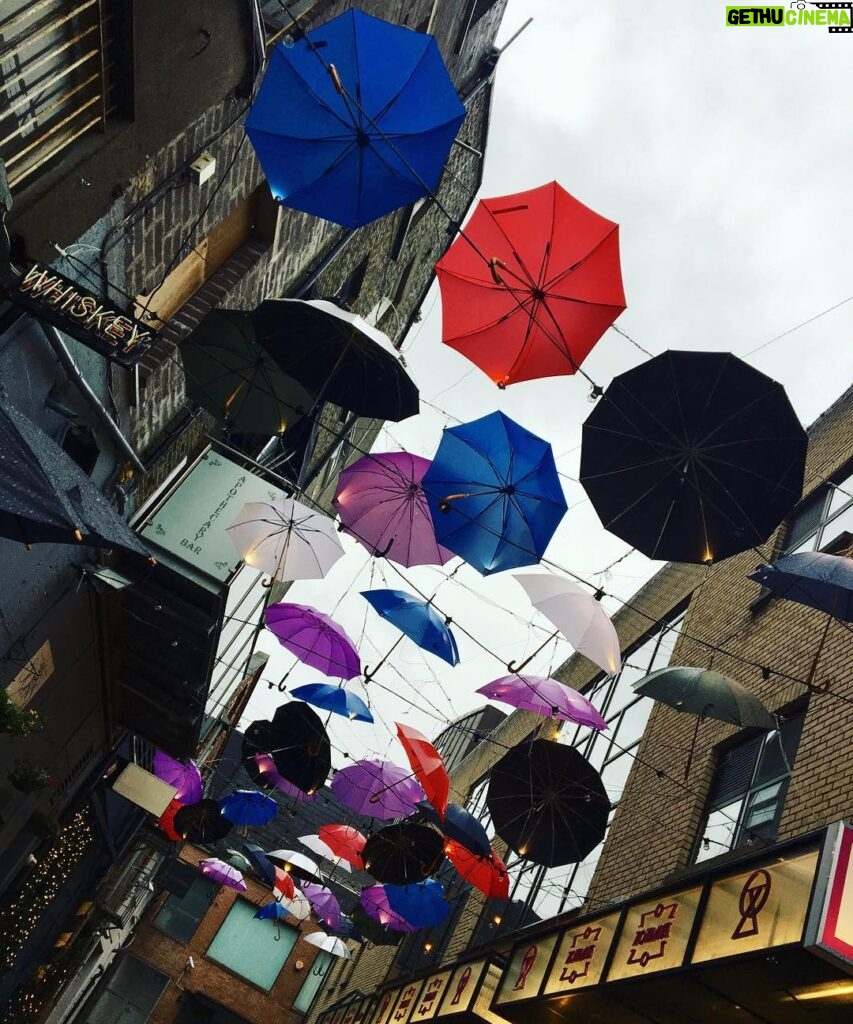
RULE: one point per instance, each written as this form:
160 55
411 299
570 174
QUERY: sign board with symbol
581 954
655 935
527 968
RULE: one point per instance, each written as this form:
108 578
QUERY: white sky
725 156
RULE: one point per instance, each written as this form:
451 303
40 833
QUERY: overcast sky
725 156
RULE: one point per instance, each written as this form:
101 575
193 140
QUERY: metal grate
59 64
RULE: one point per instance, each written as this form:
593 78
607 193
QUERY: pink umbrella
377 789
381 504
374 899
266 769
186 778
324 903
544 696
314 638
223 874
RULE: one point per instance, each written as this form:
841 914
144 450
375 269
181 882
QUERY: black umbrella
708 694
302 752
202 822
548 803
372 930
45 498
237 381
337 355
346 929
693 456
403 852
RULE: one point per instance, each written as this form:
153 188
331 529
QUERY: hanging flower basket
16 721
27 777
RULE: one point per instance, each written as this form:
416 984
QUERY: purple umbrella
374 899
223 874
381 504
186 778
377 789
544 696
314 638
266 769
324 903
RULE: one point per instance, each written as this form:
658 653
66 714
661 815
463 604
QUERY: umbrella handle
494 263
336 80
381 554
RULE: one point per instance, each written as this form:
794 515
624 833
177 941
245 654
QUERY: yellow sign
405 1003
32 676
757 909
526 970
430 997
384 1007
581 955
461 988
655 935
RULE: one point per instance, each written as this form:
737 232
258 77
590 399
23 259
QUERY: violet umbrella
377 789
186 778
544 696
382 504
323 902
374 900
223 874
314 638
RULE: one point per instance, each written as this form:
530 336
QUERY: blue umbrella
260 862
461 826
355 119
421 904
345 930
336 699
248 807
272 912
494 494
814 579
417 619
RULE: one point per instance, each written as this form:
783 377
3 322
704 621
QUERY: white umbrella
286 539
577 615
297 905
316 845
329 944
297 864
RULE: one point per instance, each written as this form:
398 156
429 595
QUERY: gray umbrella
45 498
699 691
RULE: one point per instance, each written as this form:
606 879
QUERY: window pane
130 995
762 813
311 985
843 523
632 723
838 498
615 774
248 946
181 915
718 834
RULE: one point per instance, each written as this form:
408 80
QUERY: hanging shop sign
655 935
429 1000
580 957
529 964
830 928
51 297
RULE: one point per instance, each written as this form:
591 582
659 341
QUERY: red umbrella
345 842
488 874
167 820
531 285
284 885
427 765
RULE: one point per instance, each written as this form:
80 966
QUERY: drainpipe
54 339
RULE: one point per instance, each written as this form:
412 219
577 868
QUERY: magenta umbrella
314 638
324 903
266 769
374 899
544 696
377 789
381 503
186 778
223 874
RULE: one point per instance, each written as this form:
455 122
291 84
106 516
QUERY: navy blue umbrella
494 494
417 619
814 579
260 861
421 904
336 699
355 119
461 826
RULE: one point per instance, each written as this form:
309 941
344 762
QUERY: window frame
824 497
281 928
175 899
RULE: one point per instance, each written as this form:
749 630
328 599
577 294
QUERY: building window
313 983
349 291
278 18
181 915
130 995
821 519
748 792
249 947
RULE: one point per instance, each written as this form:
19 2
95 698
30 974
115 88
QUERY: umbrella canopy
261 770
404 852
700 691
314 638
328 944
544 696
377 789
185 777
373 903
417 619
45 498
577 615
323 902
344 841
814 579
531 285
316 845
353 144
494 494
460 826
248 807
239 383
283 886
382 504
346 929
693 456
488 874
548 803
336 699
272 912
296 864
201 822
428 766
260 862
223 874
338 355
239 861
166 821
297 906
303 753
286 539
421 904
